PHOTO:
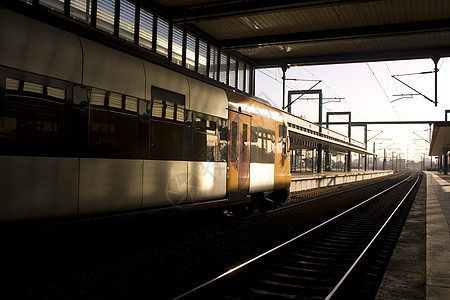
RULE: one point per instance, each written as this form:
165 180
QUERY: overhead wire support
420 146
310 89
332 99
421 137
403 96
299 79
375 135
417 73
435 71
395 77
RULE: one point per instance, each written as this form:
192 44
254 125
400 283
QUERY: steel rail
286 243
370 243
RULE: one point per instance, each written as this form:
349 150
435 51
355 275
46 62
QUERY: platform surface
420 265
438 236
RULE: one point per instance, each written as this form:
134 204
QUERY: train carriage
86 129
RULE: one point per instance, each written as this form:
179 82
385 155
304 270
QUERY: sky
369 92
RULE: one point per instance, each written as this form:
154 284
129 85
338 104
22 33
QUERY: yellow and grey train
86 129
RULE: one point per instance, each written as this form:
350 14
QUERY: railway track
136 257
342 257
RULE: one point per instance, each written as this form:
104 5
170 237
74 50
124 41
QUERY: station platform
308 181
420 265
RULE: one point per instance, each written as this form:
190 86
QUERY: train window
199 139
244 142
264 141
81 10
270 143
131 103
262 145
168 104
281 133
206 144
212 141
115 100
157 109
8 124
113 130
254 134
146 29
56 93
260 140
34 92
200 124
248 79
105 15
282 138
166 95
240 73
232 73
97 97
233 142
30 124
166 140
180 113
223 139
170 109
202 58
127 20
12 84
112 134
33 88
57 5
162 36
167 125
8 131
177 45
191 49
223 68
213 62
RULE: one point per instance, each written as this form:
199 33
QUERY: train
88 130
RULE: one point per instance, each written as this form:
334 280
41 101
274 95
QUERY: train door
238 151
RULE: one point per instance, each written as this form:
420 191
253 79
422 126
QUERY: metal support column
319 158
284 69
374 159
289 105
446 163
305 92
349 153
431 157
436 60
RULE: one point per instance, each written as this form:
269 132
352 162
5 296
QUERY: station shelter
440 144
316 149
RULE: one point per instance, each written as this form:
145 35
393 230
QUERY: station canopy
440 140
273 33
